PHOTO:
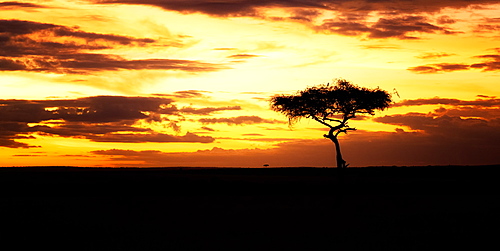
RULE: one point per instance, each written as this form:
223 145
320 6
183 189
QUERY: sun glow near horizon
168 83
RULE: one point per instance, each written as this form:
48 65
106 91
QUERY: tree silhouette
332 106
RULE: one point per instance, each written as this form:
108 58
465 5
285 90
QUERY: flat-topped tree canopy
326 101
329 104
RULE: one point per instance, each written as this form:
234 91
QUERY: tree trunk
340 161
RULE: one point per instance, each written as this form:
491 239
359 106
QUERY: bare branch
345 130
334 120
321 121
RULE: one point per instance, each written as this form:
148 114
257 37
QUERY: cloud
446 20
98 62
305 15
10 143
102 109
351 15
452 132
115 132
419 148
90 36
485 96
491 63
83 63
208 110
29 155
207 129
10 131
380 47
85 130
468 119
44 47
393 27
483 109
489 25
300 8
452 67
20 27
153 137
490 102
185 94
223 8
22 111
243 56
15 27
487 28
15 5
437 68
469 112
100 119
431 55
344 26
241 120
400 26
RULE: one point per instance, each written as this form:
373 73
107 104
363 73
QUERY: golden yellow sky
188 83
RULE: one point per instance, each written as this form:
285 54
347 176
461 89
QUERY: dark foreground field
376 208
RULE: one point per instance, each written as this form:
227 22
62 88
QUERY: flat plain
372 208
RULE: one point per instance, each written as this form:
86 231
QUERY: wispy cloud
491 62
405 27
15 4
34 46
489 25
438 68
488 102
431 55
242 56
207 110
153 137
241 120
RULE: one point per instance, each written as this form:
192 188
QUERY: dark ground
376 208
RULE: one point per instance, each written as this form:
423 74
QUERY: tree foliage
325 101
332 106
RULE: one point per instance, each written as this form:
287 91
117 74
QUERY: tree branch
344 131
335 120
321 121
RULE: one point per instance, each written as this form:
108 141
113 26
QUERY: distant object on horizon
265 165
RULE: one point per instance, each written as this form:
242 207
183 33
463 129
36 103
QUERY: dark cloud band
14 4
250 7
34 46
99 119
491 63
399 19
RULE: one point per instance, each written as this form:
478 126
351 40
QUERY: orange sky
188 83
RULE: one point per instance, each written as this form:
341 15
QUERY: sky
164 83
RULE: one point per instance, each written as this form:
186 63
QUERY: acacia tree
332 106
